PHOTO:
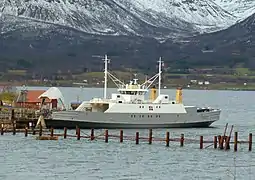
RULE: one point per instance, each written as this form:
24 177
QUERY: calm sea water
25 158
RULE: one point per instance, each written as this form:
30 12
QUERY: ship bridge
132 92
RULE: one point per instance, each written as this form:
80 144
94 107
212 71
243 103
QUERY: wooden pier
221 142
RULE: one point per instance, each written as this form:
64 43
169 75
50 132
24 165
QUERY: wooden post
250 141
76 130
78 133
137 138
167 139
121 136
215 142
14 127
65 132
33 130
201 142
150 136
235 141
182 140
2 129
92 137
40 130
51 132
227 145
221 142
26 131
106 135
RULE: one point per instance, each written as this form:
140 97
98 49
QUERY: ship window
159 116
173 103
134 116
131 116
151 115
142 115
118 96
148 116
120 101
159 107
165 97
156 116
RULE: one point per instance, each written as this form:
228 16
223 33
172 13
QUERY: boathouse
39 99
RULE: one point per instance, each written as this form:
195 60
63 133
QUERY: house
30 99
41 99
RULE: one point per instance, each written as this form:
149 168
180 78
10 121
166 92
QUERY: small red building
30 99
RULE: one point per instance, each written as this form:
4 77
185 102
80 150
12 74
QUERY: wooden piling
2 129
106 135
26 131
65 132
137 138
227 144
121 136
250 141
14 128
92 136
76 130
78 133
235 141
150 136
201 142
182 140
40 130
215 142
51 132
167 139
221 142
33 131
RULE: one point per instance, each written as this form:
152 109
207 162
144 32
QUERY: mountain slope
148 18
239 8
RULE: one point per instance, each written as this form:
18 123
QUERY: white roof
52 93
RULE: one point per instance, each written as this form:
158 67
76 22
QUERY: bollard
106 135
167 139
51 132
235 141
182 140
92 137
78 133
201 142
121 136
150 136
137 138
65 132
26 131
215 142
250 141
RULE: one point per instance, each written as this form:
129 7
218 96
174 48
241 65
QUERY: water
25 158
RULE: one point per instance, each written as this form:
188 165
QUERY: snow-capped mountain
147 18
239 8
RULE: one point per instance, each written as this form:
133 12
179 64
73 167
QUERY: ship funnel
153 93
178 95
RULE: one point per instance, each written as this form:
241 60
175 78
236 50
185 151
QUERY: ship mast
159 74
106 61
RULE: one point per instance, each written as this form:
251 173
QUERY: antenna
159 74
106 61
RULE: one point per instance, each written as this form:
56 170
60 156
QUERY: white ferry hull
96 120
